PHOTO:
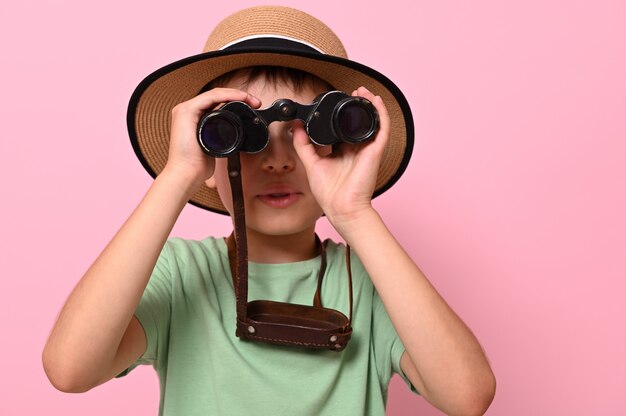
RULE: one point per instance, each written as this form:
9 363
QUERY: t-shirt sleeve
153 312
388 347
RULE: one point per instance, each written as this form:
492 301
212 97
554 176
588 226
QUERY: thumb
303 145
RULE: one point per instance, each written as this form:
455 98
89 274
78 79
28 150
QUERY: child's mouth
280 199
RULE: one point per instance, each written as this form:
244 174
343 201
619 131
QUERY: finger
384 128
211 98
229 94
303 145
364 92
384 122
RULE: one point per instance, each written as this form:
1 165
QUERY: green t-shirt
188 314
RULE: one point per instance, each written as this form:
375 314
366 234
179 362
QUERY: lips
279 196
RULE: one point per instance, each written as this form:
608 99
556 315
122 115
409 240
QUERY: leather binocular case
279 322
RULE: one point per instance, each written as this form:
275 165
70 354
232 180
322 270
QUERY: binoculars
331 118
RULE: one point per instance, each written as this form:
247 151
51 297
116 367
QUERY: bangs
297 79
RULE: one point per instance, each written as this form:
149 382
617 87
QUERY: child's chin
280 226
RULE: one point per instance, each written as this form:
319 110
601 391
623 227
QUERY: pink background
513 204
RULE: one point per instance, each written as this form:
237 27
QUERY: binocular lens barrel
354 120
331 118
220 133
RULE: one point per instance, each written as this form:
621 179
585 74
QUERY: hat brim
149 111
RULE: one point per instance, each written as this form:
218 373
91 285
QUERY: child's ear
211 182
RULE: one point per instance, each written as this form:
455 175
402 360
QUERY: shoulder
338 255
338 251
181 247
184 256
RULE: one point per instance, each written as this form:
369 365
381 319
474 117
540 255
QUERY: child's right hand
185 156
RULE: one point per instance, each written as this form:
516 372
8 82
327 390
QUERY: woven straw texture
153 110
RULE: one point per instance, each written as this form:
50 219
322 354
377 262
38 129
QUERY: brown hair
296 78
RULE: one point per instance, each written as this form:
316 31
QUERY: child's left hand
343 182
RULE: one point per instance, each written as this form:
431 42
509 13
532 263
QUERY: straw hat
268 35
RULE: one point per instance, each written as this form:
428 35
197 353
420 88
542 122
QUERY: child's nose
279 155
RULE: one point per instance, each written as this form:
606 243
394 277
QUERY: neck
276 249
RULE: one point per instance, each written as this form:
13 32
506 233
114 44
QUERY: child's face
276 191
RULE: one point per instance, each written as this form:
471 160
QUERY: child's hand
343 182
185 155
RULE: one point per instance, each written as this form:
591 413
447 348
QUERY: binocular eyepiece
333 117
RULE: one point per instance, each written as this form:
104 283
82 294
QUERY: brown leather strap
240 272
349 269
276 322
317 299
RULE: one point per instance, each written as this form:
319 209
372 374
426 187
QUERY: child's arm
96 335
443 359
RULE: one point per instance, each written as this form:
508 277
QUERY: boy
172 303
